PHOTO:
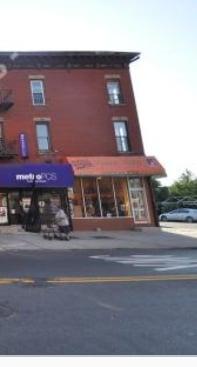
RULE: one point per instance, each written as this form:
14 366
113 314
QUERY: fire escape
6 102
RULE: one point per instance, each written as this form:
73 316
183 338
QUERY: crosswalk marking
157 262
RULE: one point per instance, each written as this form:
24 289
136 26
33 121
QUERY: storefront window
19 204
122 199
138 199
101 196
107 197
78 209
3 209
91 197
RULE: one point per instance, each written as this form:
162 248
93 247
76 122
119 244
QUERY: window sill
39 105
44 152
116 104
125 153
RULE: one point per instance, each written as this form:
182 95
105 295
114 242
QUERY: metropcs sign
42 177
52 175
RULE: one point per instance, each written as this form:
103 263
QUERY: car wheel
164 218
189 220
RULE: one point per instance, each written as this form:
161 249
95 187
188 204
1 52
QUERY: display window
122 197
100 197
107 197
76 202
90 192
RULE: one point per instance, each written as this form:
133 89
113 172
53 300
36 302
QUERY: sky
164 78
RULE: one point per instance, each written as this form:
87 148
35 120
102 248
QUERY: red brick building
77 108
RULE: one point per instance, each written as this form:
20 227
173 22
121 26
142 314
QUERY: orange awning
116 166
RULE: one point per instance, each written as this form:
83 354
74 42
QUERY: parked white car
182 214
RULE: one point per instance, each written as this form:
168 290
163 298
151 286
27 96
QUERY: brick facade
77 111
80 118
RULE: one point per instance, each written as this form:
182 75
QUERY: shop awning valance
36 175
116 166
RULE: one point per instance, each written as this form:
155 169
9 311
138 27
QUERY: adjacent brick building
74 108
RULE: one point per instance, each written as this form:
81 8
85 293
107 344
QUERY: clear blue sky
165 77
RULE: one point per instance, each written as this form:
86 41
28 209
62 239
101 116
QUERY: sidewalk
15 239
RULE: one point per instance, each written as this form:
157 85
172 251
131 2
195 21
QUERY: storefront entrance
17 203
25 185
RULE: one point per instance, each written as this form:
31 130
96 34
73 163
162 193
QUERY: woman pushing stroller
62 221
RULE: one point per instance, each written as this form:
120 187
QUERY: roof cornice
67 59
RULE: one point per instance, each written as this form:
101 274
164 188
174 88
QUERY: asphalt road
122 302
110 262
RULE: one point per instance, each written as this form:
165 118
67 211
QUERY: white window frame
143 190
41 92
115 97
43 123
123 138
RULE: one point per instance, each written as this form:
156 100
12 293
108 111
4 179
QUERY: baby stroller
62 233
55 232
57 226
48 232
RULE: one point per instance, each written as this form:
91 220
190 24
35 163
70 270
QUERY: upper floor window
37 90
43 138
114 92
121 134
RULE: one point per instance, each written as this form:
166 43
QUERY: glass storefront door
138 199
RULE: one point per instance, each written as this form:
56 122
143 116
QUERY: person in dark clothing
32 221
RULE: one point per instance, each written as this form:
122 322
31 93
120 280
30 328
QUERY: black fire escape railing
7 151
6 101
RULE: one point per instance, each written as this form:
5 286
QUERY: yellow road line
97 279
16 280
132 278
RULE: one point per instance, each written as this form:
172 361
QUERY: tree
161 192
186 185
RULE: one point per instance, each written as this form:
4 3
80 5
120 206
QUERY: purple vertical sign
23 145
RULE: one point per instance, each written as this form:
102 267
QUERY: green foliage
161 192
186 185
182 192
